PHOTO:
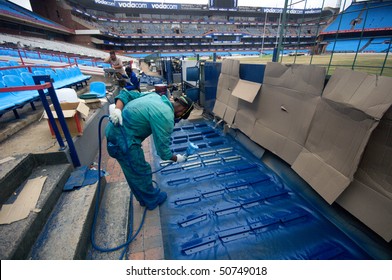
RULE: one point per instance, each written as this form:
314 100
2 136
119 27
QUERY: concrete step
66 234
112 226
17 238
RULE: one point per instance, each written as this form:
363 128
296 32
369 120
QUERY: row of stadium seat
377 45
15 100
55 58
62 77
353 18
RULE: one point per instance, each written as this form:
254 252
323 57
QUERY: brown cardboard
245 117
229 115
299 77
288 100
368 93
369 196
370 207
245 120
283 120
246 90
226 85
24 203
230 89
225 103
231 67
343 122
219 108
74 114
92 103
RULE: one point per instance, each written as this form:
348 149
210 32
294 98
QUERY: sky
251 3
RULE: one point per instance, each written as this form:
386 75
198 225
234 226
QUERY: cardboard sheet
344 119
368 93
289 97
225 104
370 207
299 77
219 108
226 85
231 67
245 118
369 196
229 115
24 203
246 90
231 89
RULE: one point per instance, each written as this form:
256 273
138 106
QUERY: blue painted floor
224 203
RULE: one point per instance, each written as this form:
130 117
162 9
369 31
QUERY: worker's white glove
116 117
181 158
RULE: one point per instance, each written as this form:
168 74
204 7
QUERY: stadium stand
199 30
363 26
363 16
11 9
53 51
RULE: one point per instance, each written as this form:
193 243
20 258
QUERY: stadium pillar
281 29
275 55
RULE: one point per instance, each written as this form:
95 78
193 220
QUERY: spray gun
192 148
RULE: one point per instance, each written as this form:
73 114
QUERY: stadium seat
12 101
79 75
64 78
23 96
58 82
98 88
6 103
27 78
13 63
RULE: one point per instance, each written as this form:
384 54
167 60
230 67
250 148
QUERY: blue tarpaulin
224 203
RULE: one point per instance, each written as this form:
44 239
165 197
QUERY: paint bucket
161 89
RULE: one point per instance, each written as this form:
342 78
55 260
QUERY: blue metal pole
37 81
60 115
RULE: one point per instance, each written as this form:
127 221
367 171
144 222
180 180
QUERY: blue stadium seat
23 96
72 76
13 63
77 73
58 83
63 77
27 78
6 100
98 88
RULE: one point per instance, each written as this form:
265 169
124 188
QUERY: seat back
13 63
52 74
39 73
13 81
98 88
27 78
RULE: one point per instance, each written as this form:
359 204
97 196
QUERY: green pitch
365 62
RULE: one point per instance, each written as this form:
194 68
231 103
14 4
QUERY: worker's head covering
187 103
128 70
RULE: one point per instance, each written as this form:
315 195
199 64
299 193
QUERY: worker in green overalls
135 117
